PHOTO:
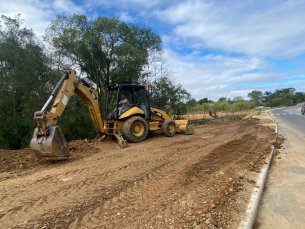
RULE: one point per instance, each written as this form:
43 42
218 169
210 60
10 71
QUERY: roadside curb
253 205
274 124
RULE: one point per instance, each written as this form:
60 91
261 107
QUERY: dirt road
198 181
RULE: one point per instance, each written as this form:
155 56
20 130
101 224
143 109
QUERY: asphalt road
292 117
283 200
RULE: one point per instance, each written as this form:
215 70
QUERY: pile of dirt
279 142
197 181
20 160
15 160
278 145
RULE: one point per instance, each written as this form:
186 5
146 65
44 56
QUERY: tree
26 80
225 107
215 108
267 93
204 100
222 100
238 99
255 96
284 97
206 108
233 108
163 92
191 103
105 49
299 97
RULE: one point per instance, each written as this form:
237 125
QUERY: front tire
135 129
169 128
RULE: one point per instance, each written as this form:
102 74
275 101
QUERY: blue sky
217 48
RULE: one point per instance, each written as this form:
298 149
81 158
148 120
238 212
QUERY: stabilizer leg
122 142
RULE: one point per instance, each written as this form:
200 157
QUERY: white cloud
124 16
275 28
67 7
38 14
127 5
216 76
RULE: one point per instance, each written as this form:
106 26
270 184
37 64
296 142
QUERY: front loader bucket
184 127
51 145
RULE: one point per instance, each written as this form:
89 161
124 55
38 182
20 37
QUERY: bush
15 133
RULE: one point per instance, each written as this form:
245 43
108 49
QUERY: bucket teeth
51 145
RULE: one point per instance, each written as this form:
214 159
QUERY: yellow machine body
161 115
132 111
133 124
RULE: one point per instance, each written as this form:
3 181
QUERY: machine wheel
135 129
169 128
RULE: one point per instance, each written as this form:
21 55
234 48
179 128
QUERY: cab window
127 92
141 98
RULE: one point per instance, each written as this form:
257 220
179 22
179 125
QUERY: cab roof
117 86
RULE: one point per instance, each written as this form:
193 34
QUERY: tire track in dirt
83 185
89 181
155 177
222 164
141 184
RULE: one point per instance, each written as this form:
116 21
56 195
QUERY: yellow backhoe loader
133 121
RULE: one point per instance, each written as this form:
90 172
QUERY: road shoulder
282 204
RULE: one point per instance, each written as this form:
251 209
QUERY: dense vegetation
224 106
280 97
26 78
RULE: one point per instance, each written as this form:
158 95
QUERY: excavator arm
48 139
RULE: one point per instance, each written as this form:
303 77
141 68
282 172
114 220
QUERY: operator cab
136 96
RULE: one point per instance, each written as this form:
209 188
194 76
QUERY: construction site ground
197 181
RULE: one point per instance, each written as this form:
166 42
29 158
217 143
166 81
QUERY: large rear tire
169 128
135 129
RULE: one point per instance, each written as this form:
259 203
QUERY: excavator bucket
184 127
53 144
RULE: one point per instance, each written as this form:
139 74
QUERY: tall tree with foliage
107 50
222 100
164 92
26 78
205 108
204 100
255 96
238 99
284 97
